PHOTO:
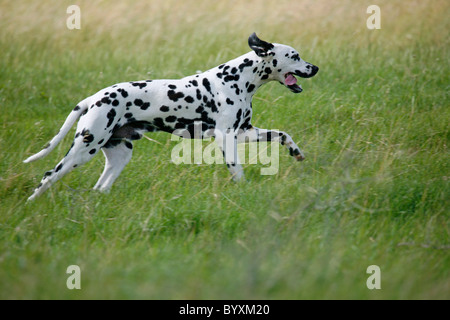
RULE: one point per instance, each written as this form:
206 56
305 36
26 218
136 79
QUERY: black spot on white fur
110 115
174 96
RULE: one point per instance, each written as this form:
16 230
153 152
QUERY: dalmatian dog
217 103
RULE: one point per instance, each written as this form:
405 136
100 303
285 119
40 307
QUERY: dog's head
283 63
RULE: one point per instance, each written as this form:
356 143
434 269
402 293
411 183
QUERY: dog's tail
71 119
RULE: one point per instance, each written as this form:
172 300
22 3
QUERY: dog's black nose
314 70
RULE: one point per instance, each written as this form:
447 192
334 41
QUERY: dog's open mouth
291 82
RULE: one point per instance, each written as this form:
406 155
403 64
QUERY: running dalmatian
218 103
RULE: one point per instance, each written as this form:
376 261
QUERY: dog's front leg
256 135
228 144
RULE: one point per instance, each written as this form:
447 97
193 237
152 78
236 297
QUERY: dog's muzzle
291 81
312 70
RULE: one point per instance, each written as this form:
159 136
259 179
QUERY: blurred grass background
373 124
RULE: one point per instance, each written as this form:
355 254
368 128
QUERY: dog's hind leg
77 156
117 156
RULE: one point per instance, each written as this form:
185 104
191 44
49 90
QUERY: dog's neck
248 72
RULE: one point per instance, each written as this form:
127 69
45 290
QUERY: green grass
374 125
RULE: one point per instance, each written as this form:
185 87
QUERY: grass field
374 125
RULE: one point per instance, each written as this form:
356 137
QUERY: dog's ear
261 47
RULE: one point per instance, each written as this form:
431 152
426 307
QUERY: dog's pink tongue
290 80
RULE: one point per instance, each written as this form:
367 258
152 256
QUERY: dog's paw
297 154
